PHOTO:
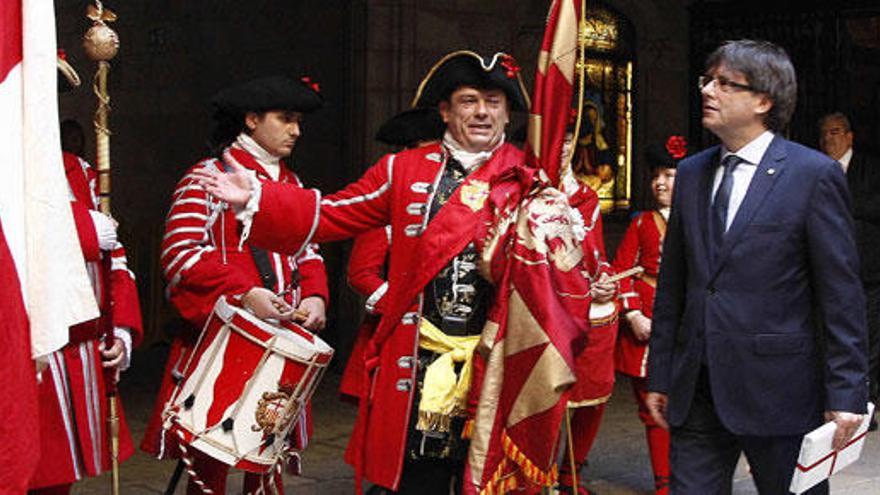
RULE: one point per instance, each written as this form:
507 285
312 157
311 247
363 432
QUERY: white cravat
750 155
270 163
469 160
664 212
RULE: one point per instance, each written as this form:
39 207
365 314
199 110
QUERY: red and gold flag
528 347
555 81
529 344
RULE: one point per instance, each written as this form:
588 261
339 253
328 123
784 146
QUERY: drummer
257 125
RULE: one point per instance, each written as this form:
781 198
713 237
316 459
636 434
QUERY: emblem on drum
270 411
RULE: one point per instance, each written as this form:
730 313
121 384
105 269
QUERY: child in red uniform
642 246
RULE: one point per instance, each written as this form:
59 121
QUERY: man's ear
443 108
251 119
765 105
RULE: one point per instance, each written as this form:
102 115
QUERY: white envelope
817 461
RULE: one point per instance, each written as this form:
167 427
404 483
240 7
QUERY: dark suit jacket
863 177
753 315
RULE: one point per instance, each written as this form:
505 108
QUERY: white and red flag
42 270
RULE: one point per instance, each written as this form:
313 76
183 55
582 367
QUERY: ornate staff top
101 44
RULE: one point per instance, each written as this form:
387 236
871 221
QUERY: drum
602 313
245 386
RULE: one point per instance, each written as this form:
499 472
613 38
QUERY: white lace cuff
124 334
246 215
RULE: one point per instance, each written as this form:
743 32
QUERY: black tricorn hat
411 126
467 68
265 94
668 154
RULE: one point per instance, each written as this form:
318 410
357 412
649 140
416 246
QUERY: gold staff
101 44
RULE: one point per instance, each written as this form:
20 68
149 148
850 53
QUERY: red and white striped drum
244 387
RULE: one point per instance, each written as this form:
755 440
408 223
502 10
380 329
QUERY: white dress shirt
844 160
750 156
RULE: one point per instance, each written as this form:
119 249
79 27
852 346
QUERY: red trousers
584 427
658 438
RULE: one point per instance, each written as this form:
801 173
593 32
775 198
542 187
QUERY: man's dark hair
768 70
73 137
226 129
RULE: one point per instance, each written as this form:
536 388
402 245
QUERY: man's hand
656 403
316 310
847 423
602 290
234 186
640 325
112 357
264 303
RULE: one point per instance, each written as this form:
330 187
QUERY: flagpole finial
101 43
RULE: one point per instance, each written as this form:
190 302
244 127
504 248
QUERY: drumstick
626 273
300 315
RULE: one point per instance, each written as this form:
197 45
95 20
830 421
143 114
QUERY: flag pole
581 71
580 68
101 44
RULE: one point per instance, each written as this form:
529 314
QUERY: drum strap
260 256
264 266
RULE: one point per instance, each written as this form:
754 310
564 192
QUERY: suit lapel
772 166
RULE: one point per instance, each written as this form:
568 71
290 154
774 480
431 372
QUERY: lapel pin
771 171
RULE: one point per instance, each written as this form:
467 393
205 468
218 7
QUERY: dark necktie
722 198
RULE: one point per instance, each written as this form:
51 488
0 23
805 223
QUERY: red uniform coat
641 246
366 275
595 364
73 405
397 191
202 259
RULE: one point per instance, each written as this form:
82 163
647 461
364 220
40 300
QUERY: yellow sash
443 394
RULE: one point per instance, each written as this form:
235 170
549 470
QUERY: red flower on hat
676 146
509 64
62 54
312 84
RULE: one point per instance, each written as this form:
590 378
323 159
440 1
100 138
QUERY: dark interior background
369 56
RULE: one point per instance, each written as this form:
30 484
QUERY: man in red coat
74 438
367 264
641 246
74 435
408 436
204 255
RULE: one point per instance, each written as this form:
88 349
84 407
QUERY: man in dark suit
759 268
863 177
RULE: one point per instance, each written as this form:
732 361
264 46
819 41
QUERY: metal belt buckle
454 325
